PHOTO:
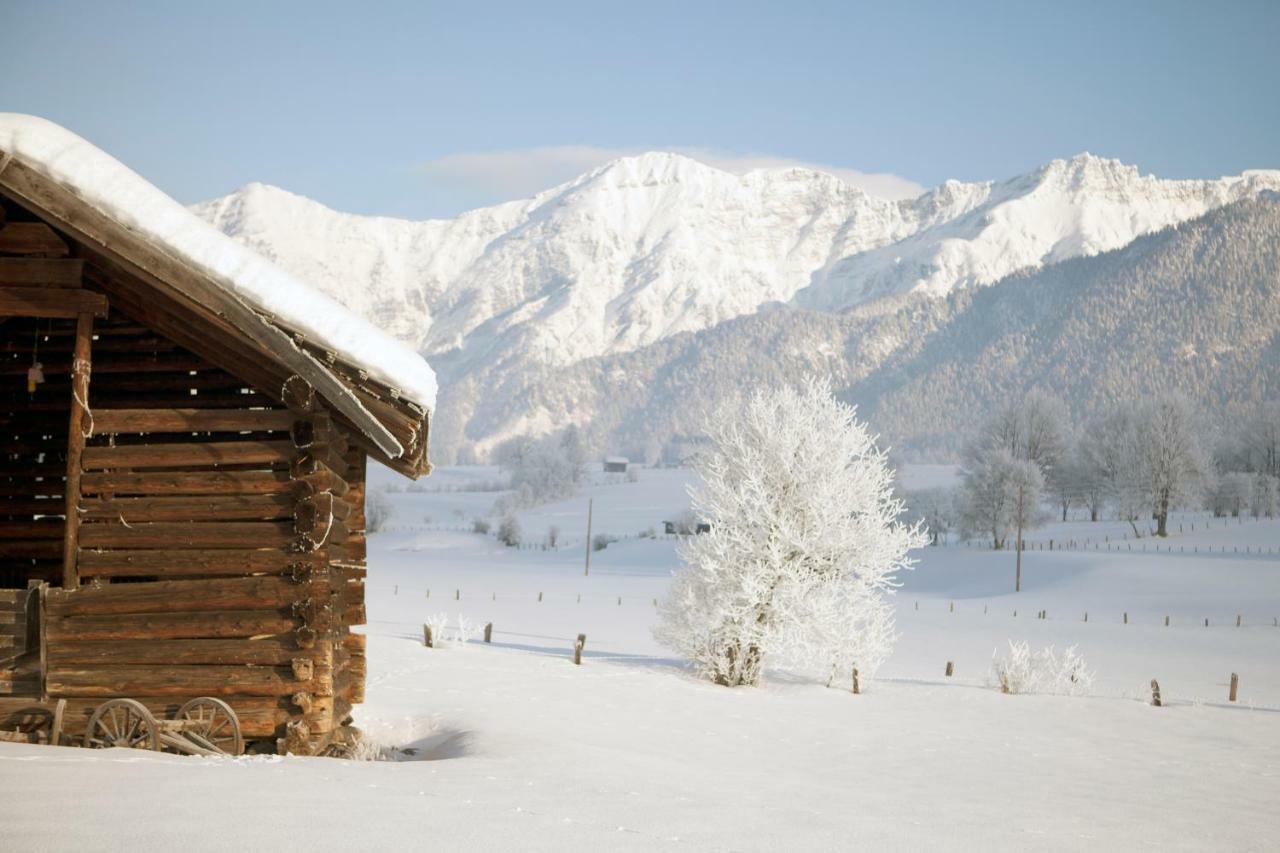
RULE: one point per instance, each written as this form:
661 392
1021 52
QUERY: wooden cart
203 726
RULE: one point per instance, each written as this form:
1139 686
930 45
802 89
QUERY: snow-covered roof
617 460
113 189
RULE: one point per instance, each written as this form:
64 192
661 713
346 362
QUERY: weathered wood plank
169 626
191 420
205 508
31 238
227 534
172 563
58 273
38 302
266 651
181 680
180 483
249 593
184 455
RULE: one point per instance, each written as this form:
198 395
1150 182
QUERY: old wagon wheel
122 722
218 726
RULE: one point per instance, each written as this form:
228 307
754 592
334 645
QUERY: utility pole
1017 578
587 570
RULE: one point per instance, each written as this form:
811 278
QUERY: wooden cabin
182 478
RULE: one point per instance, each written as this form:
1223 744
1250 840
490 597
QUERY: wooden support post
856 688
950 669
426 636
1155 693
80 368
488 632
1166 621
1126 618
1237 620
457 595
1235 683
539 598
577 649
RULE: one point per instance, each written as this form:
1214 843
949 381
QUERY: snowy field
508 746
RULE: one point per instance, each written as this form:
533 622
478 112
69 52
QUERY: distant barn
616 464
191 521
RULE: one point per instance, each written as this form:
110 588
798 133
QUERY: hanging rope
81 367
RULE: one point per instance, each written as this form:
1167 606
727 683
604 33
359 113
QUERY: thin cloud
494 176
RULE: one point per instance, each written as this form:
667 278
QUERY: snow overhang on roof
248 291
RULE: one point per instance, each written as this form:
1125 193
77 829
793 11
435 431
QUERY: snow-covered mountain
659 245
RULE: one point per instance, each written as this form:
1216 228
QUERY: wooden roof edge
58 203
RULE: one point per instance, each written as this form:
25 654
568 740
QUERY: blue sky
426 109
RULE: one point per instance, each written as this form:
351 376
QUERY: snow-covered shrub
377 511
602 540
804 543
437 622
509 532
443 634
553 536
479 525
1022 671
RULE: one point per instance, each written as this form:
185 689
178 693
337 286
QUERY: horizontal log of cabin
279 650
191 420
225 534
170 626
188 508
187 483
31 238
176 563
52 303
41 272
178 595
195 453
181 680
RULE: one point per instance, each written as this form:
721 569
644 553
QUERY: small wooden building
616 464
182 473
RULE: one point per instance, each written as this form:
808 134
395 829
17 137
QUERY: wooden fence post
950 668
1155 693
577 649
855 681
426 637
488 632
1235 683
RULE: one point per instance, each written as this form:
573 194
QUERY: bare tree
1173 461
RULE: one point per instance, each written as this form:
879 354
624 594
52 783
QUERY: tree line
1136 462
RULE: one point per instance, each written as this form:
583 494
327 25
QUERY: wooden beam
54 202
81 368
107 421
186 455
50 302
31 238
58 273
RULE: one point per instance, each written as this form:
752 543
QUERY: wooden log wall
221 551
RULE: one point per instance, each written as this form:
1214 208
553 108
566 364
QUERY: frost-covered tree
805 542
984 495
935 509
509 532
377 511
1172 459
1265 501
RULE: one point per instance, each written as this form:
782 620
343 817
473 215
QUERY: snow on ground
509 746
